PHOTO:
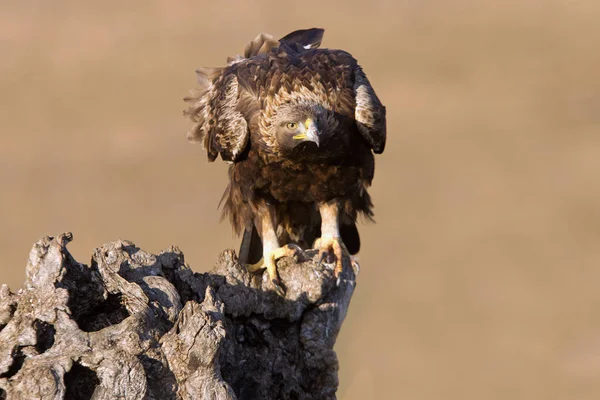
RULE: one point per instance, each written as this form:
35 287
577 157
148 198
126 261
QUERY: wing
264 43
306 38
221 110
369 113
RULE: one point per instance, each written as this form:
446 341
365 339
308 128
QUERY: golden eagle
299 126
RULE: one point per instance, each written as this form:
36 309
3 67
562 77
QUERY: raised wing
221 111
307 38
369 113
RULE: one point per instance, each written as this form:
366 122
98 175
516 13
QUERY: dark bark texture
133 325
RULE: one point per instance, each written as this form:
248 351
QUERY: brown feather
262 44
370 113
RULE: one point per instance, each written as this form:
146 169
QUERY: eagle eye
292 126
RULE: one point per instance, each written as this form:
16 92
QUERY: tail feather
251 250
350 237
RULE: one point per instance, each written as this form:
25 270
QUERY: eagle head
300 127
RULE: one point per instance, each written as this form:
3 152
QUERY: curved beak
312 133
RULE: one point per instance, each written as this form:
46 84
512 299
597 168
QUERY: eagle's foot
269 262
334 245
355 264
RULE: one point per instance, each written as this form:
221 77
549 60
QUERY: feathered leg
272 252
330 240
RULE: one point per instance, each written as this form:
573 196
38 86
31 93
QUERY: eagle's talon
296 251
330 266
269 262
279 289
355 265
326 260
322 257
326 247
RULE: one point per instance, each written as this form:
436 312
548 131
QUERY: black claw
298 252
279 289
327 257
356 266
331 258
321 259
295 247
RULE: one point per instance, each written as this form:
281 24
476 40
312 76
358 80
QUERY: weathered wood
134 325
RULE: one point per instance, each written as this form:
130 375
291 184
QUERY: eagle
299 125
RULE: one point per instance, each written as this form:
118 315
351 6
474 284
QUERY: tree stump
133 325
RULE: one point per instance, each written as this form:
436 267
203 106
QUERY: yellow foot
328 245
269 262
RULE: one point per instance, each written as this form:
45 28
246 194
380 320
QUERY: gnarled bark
134 325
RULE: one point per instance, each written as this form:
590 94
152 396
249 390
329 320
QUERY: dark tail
350 237
251 248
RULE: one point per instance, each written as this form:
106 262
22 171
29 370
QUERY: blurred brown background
479 280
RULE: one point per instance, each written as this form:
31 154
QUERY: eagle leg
330 240
272 252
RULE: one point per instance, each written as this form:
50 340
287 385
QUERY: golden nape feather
300 125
